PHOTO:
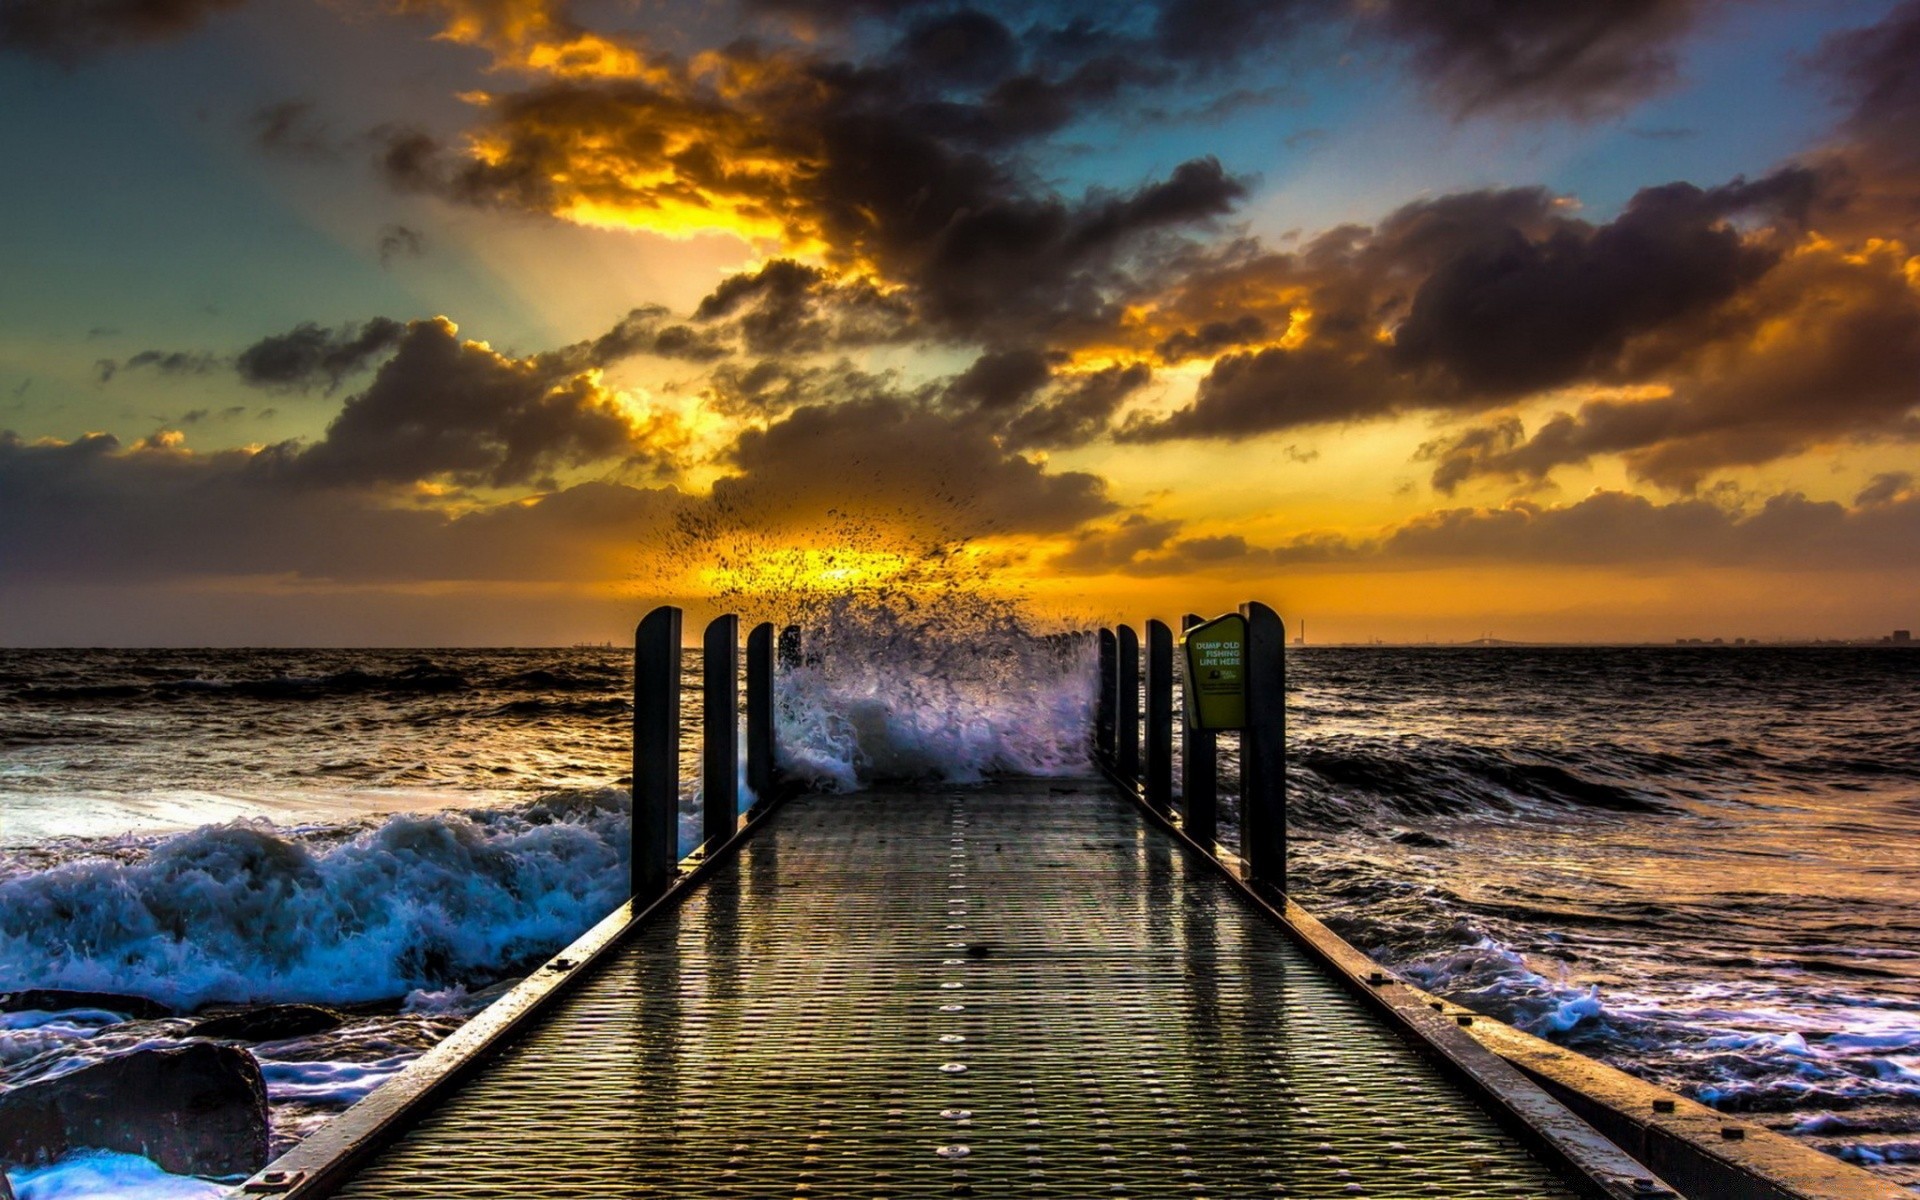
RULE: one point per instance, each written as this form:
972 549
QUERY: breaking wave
247 912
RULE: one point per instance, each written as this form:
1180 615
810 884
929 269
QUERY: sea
1699 864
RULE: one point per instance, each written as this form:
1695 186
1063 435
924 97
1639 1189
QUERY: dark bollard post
1103 703
760 712
1126 709
656 753
720 731
790 647
1263 749
1199 773
1159 747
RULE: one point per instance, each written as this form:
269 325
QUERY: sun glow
814 569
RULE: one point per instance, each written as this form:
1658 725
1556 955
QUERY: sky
496 322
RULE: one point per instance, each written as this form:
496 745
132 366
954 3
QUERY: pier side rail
659 878
1626 1136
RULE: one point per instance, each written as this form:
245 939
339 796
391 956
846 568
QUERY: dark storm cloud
909 166
1018 395
1278 389
93 511
1210 339
1468 301
1509 313
650 330
891 459
309 356
1587 58
1077 409
1825 350
1000 266
1872 171
999 381
787 307
443 407
964 46
1876 71
69 30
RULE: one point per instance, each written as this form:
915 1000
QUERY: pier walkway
1031 987
1022 990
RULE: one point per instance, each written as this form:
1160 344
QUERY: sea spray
918 659
955 690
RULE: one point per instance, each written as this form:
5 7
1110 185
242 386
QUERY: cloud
70 30
901 170
787 307
1886 488
443 407
1825 350
1610 528
166 362
1078 408
1582 58
1872 167
93 511
1142 546
1000 380
1508 314
308 356
1210 339
400 241
649 330
892 459
292 129
1468 302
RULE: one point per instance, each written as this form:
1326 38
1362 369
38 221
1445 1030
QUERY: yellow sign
1213 662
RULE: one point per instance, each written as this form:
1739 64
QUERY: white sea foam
245 912
334 1083
103 1175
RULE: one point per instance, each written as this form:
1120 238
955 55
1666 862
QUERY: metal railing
1139 755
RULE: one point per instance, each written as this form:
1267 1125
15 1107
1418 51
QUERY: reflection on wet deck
1022 990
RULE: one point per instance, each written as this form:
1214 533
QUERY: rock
197 1109
269 1024
54 1000
6 1189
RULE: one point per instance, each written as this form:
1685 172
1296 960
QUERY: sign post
1214 672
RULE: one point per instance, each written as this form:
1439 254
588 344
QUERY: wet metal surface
1021 991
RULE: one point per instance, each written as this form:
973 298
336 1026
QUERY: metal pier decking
1024 988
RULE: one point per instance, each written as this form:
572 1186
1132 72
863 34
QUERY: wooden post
1263 749
1103 703
760 712
656 753
1126 725
1199 772
720 731
1159 748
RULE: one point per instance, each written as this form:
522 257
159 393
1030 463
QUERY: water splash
919 660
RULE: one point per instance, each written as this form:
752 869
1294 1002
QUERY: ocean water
1696 864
